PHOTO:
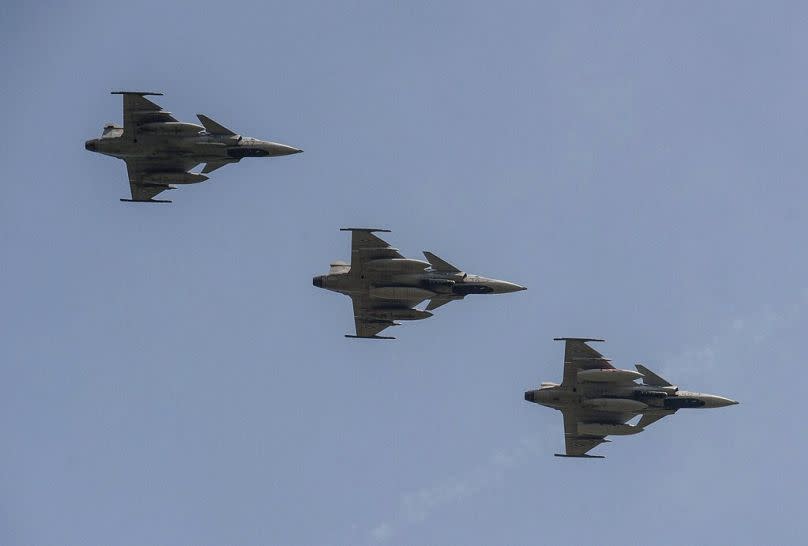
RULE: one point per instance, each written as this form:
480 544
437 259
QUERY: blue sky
171 376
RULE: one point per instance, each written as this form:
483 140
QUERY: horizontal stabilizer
584 339
650 378
213 127
440 265
369 337
579 456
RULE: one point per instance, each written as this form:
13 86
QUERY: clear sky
171 376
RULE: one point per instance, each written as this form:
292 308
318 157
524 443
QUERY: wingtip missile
141 93
369 230
146 201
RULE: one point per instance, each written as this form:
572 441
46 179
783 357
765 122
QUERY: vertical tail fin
650 378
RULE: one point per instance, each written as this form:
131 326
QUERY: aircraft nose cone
530 396
719 402
282 149
317 281
503 287
90 145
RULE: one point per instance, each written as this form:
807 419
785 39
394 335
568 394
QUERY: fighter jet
385 286
597 399
160 151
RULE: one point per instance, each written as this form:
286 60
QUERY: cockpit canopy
339 267
111 130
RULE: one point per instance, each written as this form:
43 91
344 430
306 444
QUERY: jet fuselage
629 397
385 286
598 400
413 278
171 140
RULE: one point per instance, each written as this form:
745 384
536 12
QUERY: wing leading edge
365 247
580 356
578 442
372 315
577 445
144 190
367 327
138 110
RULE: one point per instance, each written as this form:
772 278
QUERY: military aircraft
385 286
597 399
160 151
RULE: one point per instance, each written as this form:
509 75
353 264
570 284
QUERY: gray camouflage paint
159 150
597 400
385 286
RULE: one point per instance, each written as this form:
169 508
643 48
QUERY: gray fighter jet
385 286
597 399
160 151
